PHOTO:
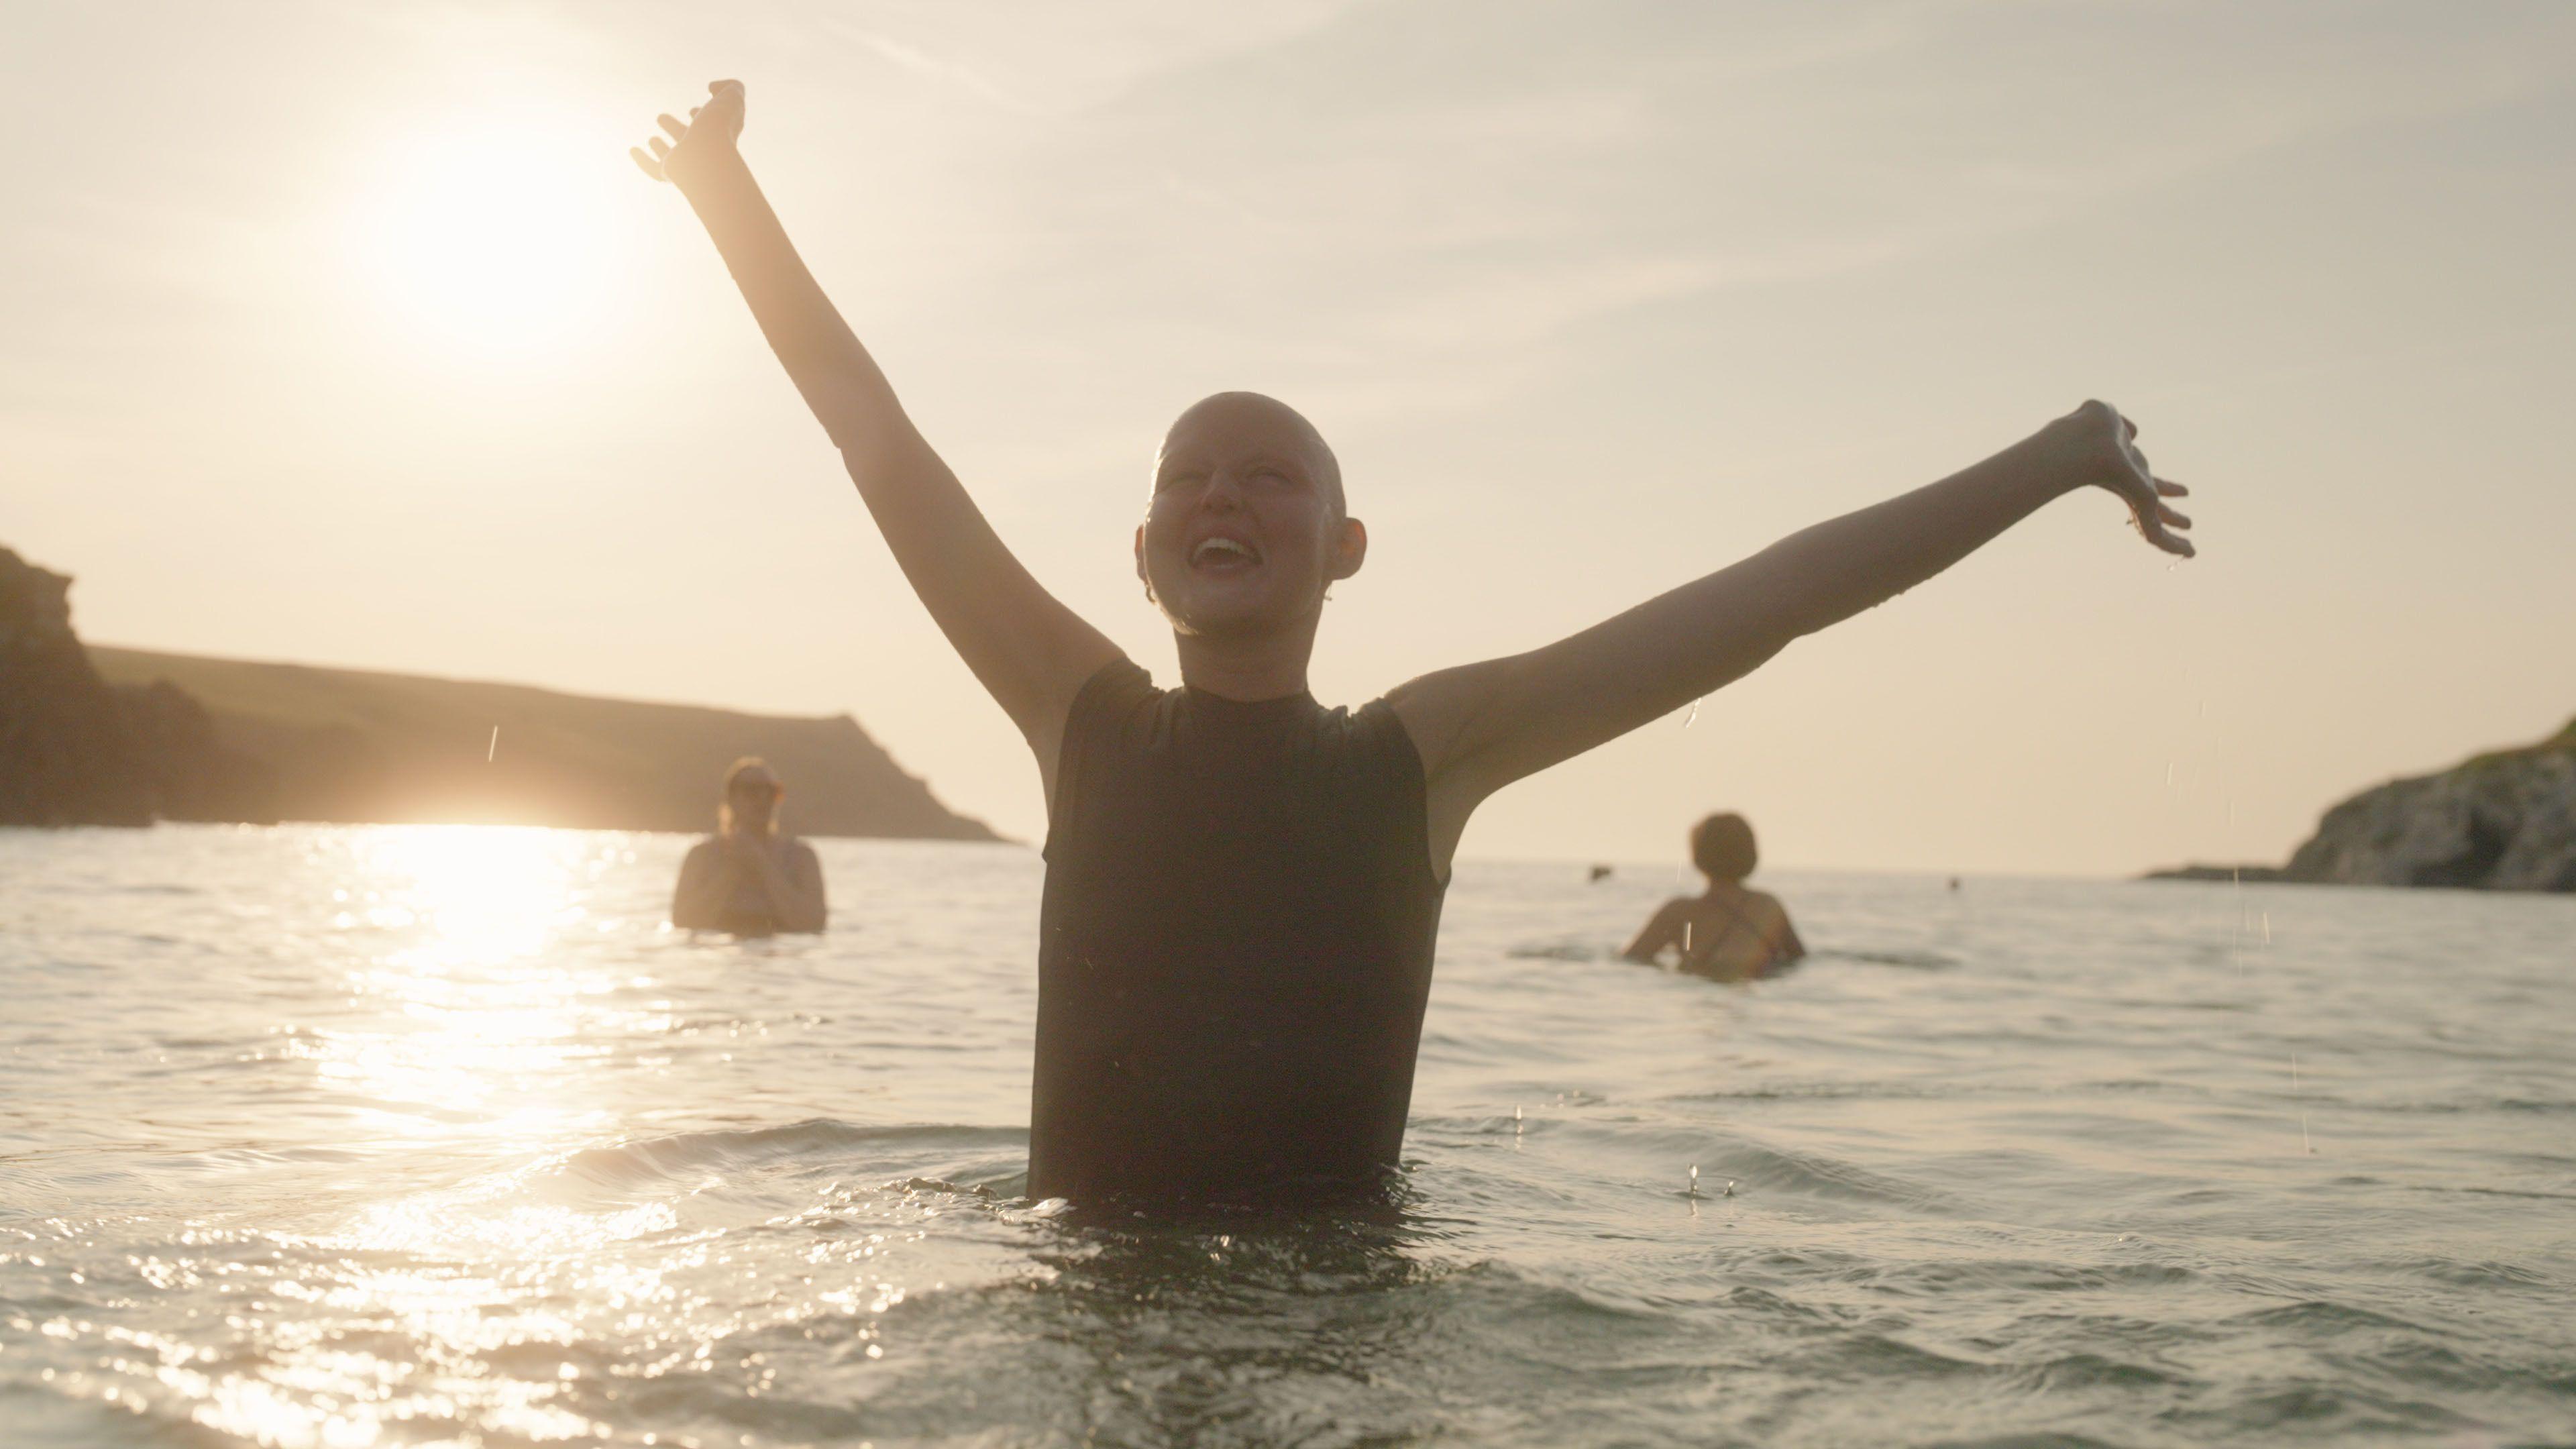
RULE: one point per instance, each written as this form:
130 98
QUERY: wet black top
1234 949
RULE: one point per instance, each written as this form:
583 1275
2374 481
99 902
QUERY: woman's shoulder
1114 693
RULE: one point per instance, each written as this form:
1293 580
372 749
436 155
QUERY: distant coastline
2504 820
361 746
113 736
2244 874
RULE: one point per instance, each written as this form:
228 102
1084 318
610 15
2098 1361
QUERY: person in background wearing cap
747 878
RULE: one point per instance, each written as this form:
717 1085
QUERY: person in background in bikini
1728 932
1243 885
748 878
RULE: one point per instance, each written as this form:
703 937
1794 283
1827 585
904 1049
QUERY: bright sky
348 335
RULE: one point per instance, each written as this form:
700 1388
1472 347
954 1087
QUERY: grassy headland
354 745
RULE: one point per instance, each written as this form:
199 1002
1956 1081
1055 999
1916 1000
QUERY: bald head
1231 420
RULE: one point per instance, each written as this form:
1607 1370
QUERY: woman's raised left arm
1482 726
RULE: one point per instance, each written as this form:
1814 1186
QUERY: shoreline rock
2500 821
67 754
2249 874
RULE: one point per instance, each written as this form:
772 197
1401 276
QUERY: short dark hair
1722 847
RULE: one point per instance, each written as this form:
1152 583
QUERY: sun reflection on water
461 1240
478 1019
483 1016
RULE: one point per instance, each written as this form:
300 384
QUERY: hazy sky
347 334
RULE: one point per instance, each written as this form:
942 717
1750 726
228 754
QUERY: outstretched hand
708 135
2106 453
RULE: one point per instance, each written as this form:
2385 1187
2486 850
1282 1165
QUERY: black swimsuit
1234 947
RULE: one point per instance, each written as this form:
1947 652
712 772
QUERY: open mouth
1222 555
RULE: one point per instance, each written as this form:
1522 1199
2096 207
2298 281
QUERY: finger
2154 529
693 112
646 164
2170 519
672 124
2168 488
717 88
661 149
2128 425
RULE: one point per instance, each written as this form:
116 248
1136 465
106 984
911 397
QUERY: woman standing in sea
1243 886
749 878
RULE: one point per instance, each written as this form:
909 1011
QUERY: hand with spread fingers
2103 449
707 136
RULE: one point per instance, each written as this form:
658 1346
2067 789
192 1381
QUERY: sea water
325 1136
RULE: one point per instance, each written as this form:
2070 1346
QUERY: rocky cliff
64 758
76 751
2503 821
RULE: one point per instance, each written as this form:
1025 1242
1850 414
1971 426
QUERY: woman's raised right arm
1030 652
697 903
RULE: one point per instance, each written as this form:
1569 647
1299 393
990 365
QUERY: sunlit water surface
437 1136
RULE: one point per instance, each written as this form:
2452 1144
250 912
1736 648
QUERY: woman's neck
1248 667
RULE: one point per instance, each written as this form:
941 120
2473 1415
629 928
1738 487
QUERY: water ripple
446 1139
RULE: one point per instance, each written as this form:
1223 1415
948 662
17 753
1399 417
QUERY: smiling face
1247 524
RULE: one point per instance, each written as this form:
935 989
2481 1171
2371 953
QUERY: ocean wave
815 1145
1909 960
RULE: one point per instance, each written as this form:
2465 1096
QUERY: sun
494 230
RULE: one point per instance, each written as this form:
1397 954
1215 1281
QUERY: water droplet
1693 717
2304 1143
